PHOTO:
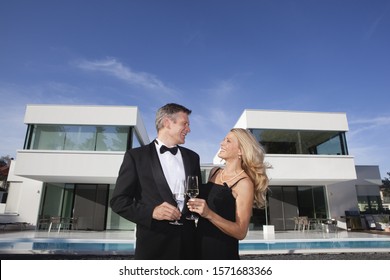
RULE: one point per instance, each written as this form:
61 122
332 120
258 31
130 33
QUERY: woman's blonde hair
252 161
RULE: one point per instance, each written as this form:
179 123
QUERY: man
143 192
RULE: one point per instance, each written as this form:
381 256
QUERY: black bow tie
173 150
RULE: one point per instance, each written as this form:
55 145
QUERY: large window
286 202
82 138
311 202
302 142
370 204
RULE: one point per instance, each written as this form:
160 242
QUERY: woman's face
229 147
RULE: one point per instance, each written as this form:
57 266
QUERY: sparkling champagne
192 193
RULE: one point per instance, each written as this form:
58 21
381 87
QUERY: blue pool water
55 245
310 245
61 246
100 247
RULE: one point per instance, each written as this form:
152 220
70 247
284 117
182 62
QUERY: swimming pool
304 245
69 246
65 246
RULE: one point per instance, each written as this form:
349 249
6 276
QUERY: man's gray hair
169 110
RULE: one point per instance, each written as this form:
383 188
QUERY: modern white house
71 157
69 163
312 172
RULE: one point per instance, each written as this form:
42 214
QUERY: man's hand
166 211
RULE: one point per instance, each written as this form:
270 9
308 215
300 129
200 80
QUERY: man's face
179 128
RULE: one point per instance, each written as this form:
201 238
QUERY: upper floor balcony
310 169
69 166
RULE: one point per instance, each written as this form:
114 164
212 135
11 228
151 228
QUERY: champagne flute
192 186
179 195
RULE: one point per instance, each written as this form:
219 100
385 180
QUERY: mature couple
143 192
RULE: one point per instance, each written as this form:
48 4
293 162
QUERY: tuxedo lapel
186 162
187 171
158 175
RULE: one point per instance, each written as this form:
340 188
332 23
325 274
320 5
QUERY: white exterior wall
343 196
368 180
80 115
24 197
293 120
69 166
309 169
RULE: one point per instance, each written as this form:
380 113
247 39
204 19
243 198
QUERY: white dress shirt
172 166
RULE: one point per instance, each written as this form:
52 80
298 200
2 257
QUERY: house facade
312 172
69 163
71 157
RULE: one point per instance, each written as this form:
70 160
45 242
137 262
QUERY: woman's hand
199 206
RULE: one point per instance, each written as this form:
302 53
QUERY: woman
225 202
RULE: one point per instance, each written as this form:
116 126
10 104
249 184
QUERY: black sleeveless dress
213 244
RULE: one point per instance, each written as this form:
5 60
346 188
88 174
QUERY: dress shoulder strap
232 186
215 172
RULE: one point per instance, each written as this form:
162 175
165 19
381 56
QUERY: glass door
283 206
90 206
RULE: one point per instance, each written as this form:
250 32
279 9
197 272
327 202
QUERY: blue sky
215 57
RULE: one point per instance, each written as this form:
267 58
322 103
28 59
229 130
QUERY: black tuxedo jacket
140 187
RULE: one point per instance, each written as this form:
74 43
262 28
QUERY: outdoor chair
43 223
56 222
70 223
304 222
296 223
